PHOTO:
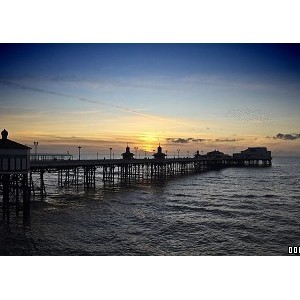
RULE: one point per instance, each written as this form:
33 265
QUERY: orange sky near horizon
97 135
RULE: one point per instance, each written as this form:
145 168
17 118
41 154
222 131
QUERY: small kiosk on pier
127 154
159 154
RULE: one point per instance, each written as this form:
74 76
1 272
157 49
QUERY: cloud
196 140
178 140
33 89
185 141
49 139
82 99
9 111
200 140
287 136
227 140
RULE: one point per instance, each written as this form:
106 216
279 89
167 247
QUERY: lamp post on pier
178 150
35 148
79 147
110 153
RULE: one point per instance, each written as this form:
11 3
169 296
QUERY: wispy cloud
9 111
199 140
287 136
72 139
245 82
97 102
227 140
185 140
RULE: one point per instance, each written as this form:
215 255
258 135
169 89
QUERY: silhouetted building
127 154
159 154
14 157
253 153
216 154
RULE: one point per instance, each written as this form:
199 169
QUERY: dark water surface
235 211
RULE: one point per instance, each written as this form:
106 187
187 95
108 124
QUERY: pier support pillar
26 200
42 183
6 186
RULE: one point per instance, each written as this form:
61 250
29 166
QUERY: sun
149 141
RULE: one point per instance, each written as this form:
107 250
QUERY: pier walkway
83 172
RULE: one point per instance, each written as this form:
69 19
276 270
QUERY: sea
230 212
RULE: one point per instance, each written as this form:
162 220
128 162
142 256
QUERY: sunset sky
183 96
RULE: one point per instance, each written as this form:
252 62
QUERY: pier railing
50 157
100 162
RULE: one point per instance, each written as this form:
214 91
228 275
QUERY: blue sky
259 60
101 94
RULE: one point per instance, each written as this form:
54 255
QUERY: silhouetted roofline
8 144
5 143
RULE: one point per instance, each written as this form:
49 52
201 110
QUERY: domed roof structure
159 154
5 143
127 154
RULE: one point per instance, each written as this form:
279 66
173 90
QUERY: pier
22 176
110 171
